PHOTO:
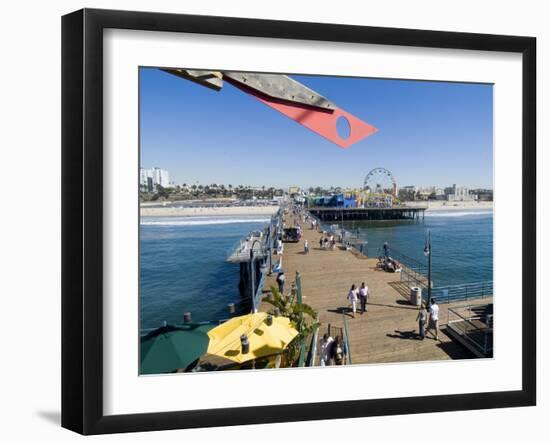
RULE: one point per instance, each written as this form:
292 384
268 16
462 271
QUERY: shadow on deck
401 287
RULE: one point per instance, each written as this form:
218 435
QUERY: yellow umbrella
263 339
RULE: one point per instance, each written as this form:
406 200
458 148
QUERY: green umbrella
172 347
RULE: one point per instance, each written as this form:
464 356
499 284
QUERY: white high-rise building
460 193
161 177
149 179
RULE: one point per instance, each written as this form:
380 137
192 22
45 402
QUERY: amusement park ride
380 181
290 98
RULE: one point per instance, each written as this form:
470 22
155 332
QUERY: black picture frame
82 219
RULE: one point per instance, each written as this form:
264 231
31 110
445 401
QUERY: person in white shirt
281 282
352 297
434 317
363 297
325 349
279 247
306 247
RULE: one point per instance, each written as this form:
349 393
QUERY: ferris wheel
380 181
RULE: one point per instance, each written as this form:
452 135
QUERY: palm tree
302 317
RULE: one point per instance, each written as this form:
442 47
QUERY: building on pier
328 214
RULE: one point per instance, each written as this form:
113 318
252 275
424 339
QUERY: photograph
291 220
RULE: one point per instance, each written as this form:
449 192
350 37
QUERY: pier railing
461 293
343 333
415 273
473 326
259 292
312 355
347 339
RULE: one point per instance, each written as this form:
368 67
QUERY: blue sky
430 133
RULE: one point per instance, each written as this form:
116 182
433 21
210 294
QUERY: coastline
432 206
456 206
207 211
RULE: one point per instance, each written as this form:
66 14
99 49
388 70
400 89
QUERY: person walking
422 318
321 243
352 297
339 351
279 247
281 282
363 297
306 247
325 350
434 317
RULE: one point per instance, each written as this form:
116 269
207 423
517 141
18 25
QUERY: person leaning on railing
325 350
339 351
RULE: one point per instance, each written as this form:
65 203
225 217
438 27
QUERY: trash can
416 296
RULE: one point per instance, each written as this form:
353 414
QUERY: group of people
332 351
361 295
392 265
327 242
428 319
387 263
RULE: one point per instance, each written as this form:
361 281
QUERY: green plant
302 317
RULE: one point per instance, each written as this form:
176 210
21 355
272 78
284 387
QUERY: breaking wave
458 213
199 222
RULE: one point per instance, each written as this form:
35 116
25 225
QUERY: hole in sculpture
343 128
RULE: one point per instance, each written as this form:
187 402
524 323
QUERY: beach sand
208 211
146 211
453 206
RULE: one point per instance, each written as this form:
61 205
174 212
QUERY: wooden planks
388 331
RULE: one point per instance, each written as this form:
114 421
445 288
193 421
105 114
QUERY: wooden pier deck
388 331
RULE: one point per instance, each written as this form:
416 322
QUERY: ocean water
183 267
462 243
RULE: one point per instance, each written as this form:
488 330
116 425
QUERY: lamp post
270 240
252 272
428 253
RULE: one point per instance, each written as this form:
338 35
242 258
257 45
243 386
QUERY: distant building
482 195
460 193
439 194
407 193
151 179
143 180
293 190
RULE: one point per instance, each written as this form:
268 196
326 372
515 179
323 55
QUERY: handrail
313 347
143 332
463 292
478 337
346 340
259 292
